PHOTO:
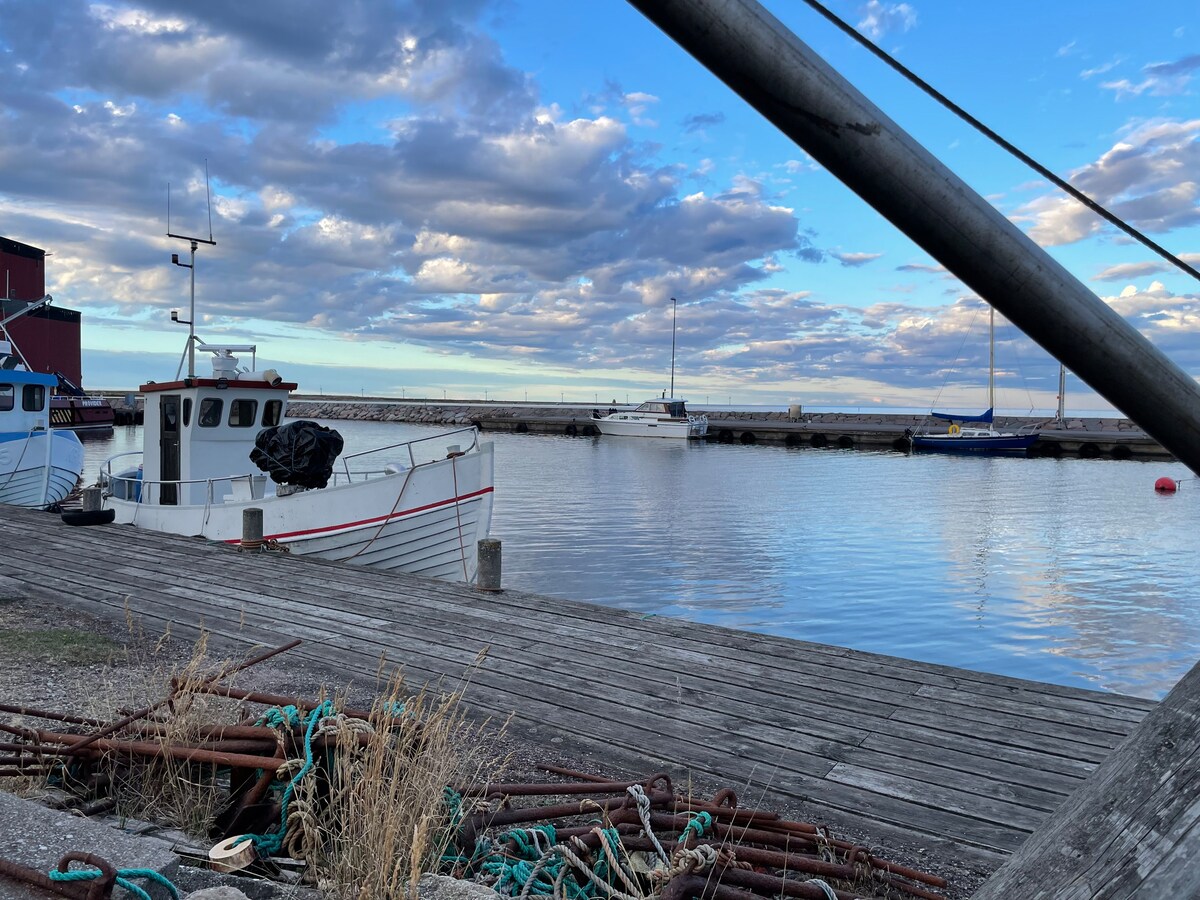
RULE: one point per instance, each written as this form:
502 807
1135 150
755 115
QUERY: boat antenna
673 305
190 322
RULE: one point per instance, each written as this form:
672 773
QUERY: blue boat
38 466
981 437
957 439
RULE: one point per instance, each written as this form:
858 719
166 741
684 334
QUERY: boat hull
24 479
959 443
80 413
426 520
642 428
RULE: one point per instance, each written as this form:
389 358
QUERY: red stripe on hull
371 521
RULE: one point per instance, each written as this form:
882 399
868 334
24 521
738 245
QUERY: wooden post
91 499
252 529
488 578
1130 828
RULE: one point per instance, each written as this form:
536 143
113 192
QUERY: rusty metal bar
150 748
47 714
275 700
538 789
211 679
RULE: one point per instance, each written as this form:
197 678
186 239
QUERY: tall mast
673 307
191 266
1062 393
992 358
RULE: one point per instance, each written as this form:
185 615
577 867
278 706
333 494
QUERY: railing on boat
127 486
441 436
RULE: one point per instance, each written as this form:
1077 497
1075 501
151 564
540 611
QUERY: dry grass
169 791
384 821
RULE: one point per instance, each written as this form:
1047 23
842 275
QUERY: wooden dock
910 753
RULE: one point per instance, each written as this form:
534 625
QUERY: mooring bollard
488 578
252 528
91 499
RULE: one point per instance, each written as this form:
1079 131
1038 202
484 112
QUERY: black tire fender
89 517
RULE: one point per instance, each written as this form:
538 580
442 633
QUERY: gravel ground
60 658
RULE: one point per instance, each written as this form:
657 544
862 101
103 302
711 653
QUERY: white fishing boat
662 417
418 506
214 447
39 466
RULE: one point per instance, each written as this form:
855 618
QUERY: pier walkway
911 754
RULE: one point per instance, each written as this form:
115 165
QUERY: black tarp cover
300 453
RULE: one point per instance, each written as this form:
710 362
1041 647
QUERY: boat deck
911 754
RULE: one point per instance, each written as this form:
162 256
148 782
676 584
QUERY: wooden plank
773 705
755 679
1133 828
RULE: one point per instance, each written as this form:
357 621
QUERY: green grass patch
60 644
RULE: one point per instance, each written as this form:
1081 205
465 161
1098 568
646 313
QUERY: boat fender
953 429
89 516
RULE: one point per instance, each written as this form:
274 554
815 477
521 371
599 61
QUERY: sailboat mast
673 314
1062 392
992 358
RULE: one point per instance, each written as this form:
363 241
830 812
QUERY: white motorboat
420 506
662 417
659 418
38 466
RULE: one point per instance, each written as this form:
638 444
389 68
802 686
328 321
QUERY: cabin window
187 411
7 397
33 398
272 413
210 412
242 413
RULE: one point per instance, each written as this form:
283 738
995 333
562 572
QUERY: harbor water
1067 571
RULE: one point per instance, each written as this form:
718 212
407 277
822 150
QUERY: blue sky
472 197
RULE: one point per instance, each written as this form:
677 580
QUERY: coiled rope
290 716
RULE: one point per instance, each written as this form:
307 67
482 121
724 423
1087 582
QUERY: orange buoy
1165 485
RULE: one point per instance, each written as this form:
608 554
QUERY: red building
48 337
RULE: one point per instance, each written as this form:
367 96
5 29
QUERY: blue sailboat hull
961 443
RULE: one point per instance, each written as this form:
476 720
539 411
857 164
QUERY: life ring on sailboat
953 429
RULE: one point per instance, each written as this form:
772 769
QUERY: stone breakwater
1088 438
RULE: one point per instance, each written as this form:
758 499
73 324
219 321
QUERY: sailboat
662 417
976 435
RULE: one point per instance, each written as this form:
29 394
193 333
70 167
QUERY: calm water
1068 571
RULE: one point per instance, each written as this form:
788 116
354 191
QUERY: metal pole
673 308
1062 394
781 77
192 320
992 359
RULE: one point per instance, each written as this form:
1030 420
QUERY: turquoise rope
511 872
290 716
123 876
698 824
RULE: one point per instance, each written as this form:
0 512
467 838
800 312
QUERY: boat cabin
24 395
199 432
673 409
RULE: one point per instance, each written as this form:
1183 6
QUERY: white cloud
879 18
1144 179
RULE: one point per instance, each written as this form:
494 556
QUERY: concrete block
38 837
